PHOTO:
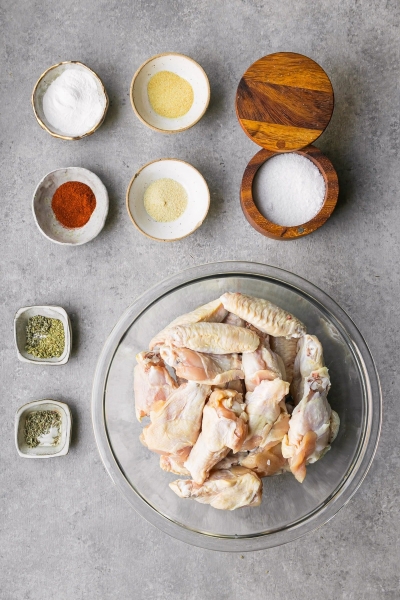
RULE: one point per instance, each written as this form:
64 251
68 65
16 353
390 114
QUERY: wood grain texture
279 232
284 101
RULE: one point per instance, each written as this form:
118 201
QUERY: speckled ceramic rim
199 224
137 112
65 449
371 422
39 120
58 241
281 232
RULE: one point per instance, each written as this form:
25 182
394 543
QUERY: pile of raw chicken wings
236 391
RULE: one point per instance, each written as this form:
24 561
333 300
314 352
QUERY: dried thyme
39 423
45 337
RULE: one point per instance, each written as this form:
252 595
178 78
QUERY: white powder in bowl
73 104
289 189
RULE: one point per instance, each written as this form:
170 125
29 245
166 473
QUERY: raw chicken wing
213 312
225 489
262 364
309 358
213 369
224 428
152 383
312 426
212 338
230 460
173 464
175 426
263 407
266 462
287 350
264 315
232 319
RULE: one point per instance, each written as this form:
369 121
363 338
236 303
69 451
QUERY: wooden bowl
279 232
41 87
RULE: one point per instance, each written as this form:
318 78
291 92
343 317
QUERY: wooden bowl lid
284 101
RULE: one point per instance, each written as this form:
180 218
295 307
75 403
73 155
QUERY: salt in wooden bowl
280 232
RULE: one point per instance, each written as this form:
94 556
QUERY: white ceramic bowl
43 451
186 68
45 218
196 189
52 312
41 87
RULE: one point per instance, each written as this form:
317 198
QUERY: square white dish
43 451
20 322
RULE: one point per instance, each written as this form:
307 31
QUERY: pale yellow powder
165 200
170 95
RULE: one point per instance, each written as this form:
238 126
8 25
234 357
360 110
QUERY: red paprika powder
73 203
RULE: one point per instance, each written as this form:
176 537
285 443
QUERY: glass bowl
289 509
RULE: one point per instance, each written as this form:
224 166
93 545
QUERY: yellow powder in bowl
170 95
165 200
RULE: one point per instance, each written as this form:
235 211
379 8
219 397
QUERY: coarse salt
289 189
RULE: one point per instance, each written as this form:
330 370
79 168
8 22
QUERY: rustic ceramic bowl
43 451
186 68
198 199
52 312
42 85
280 232
46 220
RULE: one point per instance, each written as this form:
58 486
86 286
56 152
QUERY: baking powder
74 104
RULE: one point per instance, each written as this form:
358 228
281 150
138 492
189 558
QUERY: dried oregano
45 337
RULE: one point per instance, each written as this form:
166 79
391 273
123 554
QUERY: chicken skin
152 384
211 338
266 462
263 407
173 464
262 364
175 426
225 489
264 315
213 312
232 319
313 425
309 358
287 350
224 428
212 369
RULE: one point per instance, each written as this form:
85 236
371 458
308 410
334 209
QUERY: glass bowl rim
367 445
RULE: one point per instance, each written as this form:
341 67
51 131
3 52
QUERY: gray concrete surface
65 532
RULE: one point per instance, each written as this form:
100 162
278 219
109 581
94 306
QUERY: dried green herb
45 337
39 423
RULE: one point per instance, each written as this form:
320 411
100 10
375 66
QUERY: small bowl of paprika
70 206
